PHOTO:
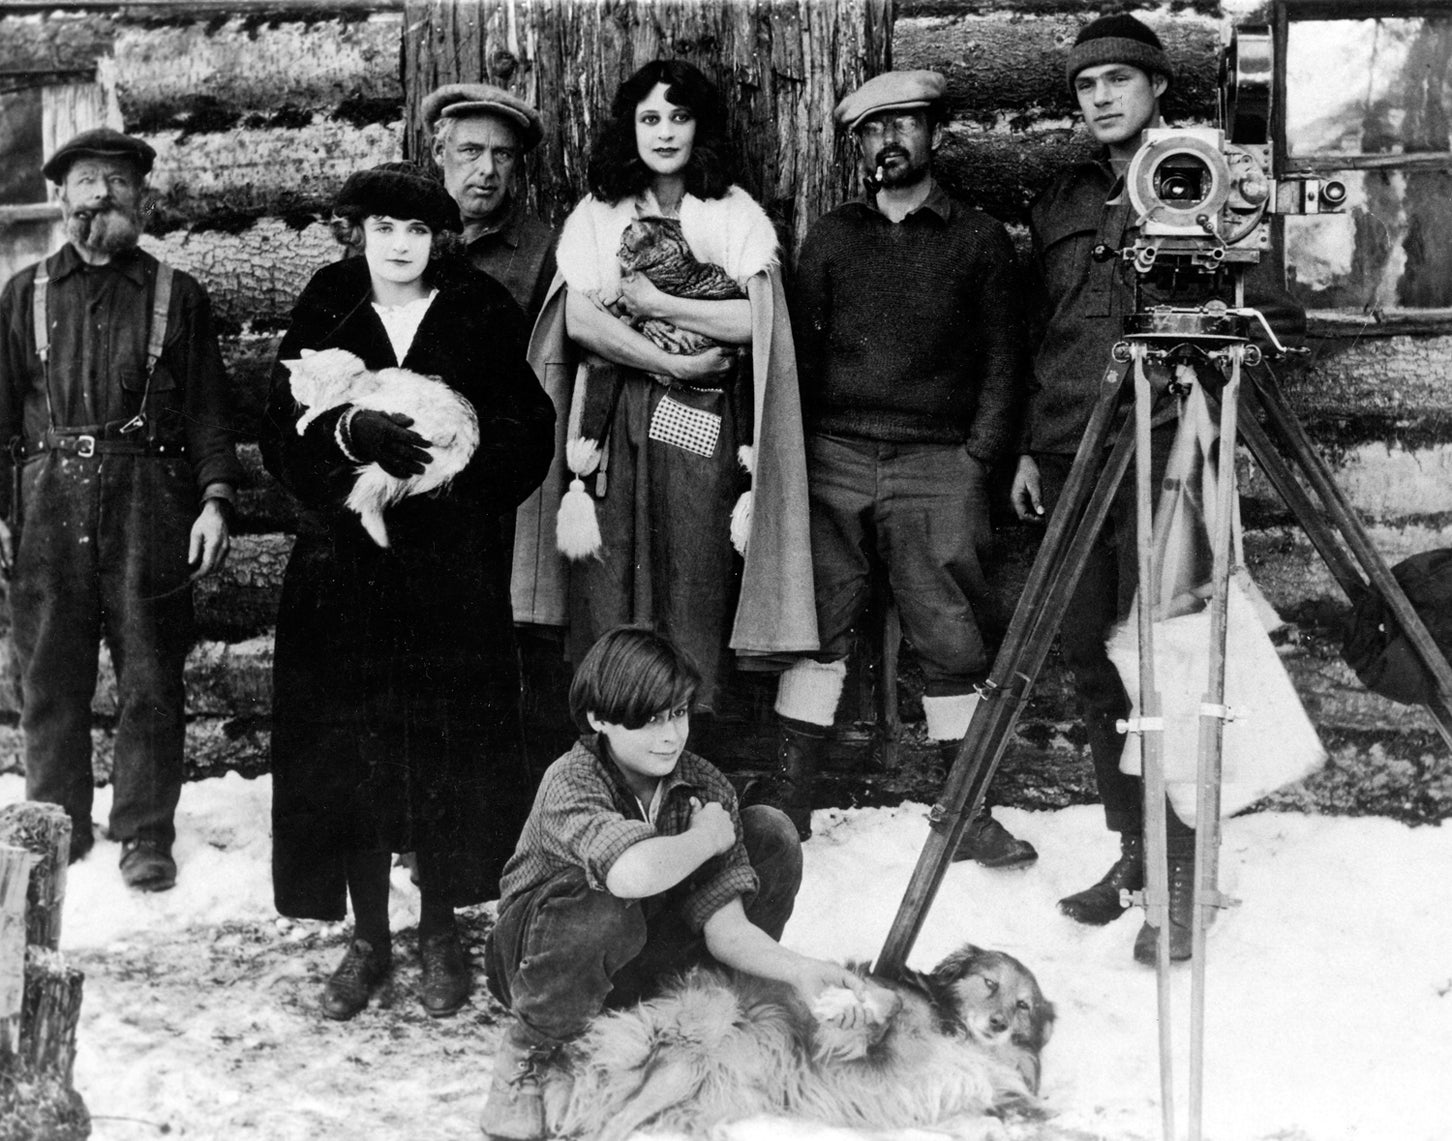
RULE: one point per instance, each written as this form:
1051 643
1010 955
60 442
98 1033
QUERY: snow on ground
1329 988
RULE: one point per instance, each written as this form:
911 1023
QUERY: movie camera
1203 197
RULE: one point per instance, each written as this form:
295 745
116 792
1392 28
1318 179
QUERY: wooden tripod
1333 528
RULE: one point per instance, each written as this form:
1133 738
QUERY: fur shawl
732 232
776 613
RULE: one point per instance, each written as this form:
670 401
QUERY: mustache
107 227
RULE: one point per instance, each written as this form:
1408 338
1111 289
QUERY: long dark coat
396 688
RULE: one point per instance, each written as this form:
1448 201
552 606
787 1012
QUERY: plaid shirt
584 816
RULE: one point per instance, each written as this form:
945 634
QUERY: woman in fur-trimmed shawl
655 448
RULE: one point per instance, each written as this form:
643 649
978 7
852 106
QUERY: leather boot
528 1082
1100 904
985 841
444 973
1182 911
800 749
346 992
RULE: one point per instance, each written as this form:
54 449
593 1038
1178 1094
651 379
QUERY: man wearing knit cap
481 134
113 402
1118 71
909 354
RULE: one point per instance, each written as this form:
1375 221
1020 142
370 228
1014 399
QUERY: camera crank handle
1270 334
1103 251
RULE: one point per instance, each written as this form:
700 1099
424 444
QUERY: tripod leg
1150 732
1343 517
1212 733
1057 568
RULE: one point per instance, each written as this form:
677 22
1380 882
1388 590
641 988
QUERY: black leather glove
384 438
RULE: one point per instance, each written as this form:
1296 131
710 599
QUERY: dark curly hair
615 169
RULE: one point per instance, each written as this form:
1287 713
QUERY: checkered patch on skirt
685 427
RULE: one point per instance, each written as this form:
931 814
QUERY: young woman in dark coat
395 707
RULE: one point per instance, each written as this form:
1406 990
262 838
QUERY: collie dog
951 1048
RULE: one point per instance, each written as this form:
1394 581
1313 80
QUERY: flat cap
457 100
398 190
890 91
101 142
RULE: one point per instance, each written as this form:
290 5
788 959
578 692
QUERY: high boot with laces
1103 903
1182 912
801 747
529 1081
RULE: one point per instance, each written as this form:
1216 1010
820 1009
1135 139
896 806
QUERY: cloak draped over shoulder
775 612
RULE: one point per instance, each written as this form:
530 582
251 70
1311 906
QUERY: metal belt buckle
85 446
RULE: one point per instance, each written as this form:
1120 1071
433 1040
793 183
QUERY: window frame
1391 320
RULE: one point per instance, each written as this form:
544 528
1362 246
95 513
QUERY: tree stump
44 830
40 997
51 1011
14 882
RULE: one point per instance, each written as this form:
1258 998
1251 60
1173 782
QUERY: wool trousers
563 952
103 554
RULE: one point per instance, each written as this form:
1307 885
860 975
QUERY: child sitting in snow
634 865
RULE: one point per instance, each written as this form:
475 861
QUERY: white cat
325 379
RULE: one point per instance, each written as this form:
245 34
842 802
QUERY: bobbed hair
616 171
445 248
629 676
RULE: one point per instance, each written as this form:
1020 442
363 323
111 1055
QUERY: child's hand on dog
818 978
714 823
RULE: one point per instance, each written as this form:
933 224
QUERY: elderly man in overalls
113 400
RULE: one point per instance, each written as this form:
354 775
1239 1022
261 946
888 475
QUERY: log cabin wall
257 117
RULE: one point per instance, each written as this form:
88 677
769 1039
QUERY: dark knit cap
398 190
102 142
1117 39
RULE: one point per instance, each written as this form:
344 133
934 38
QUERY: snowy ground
1330 988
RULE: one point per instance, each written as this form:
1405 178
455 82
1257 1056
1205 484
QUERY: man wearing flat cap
481 134
909 355
1118 71
113 402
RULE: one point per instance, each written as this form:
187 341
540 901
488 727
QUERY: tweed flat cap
398 190
890 91
1118 39
101 142
455 100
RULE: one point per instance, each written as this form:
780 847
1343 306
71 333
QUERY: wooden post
780 65
44 830
52 1009
14 880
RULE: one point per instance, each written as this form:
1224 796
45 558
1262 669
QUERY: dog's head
995 998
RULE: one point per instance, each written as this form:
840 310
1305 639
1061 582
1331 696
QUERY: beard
906 173
108 230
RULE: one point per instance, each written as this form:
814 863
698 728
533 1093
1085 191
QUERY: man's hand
1026 495
711 365
713 823
639 296
7 549
384 438
210 541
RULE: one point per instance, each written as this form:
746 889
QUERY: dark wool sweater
909 332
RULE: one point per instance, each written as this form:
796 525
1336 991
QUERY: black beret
101 142
398 190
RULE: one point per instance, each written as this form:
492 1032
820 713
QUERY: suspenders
155 340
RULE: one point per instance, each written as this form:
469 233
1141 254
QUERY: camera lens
1181 180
